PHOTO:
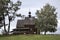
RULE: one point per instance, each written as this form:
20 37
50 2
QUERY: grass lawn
30 37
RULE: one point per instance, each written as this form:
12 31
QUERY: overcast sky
33 5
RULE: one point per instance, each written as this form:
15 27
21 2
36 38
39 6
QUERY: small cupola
29 15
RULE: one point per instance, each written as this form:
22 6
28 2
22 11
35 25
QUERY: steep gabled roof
20 23
26 21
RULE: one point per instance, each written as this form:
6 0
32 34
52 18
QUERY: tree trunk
8 25
4 24
45 33
38 31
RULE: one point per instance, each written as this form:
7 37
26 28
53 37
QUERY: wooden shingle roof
26 21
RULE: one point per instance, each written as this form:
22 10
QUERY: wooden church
26 26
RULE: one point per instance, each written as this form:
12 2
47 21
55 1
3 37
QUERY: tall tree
47 18
7 8
12 9
2 14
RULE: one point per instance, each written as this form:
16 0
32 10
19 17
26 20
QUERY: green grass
30 37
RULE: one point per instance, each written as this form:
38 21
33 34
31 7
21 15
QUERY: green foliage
7 7
47 18
12 9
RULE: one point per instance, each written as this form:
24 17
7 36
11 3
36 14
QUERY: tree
2 14
12 10
47 18
7 8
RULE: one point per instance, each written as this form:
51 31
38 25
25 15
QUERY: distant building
26 26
